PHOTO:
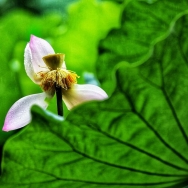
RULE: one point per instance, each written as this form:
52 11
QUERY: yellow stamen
61 77
56 76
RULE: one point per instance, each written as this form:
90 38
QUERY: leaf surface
143 24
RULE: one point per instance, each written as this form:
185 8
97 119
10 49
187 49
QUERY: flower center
57 76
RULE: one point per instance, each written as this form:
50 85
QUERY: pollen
60 78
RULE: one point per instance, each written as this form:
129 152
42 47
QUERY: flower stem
58 91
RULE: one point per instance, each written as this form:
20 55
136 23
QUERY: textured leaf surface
136 138
143 24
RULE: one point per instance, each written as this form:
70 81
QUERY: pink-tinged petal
82 93
19 114
29 66
39 48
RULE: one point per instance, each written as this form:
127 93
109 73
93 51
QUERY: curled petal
82 93
29 65
39 48
19 114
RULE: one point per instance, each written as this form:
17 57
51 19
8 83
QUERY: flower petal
82 93
64 65
28 64
39 48
19 114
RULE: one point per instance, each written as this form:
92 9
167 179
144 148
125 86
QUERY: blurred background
73 27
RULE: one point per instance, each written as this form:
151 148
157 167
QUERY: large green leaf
136 138
49 153
143 24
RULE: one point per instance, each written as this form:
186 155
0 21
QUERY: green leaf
136 138
143 24
49 153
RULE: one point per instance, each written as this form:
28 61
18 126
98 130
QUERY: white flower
48 69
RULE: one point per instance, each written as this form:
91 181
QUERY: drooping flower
47 69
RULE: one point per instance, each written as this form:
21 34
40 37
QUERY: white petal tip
32 37
83 93
5 129
19 114
7 126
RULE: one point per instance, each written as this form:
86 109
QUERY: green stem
59 100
